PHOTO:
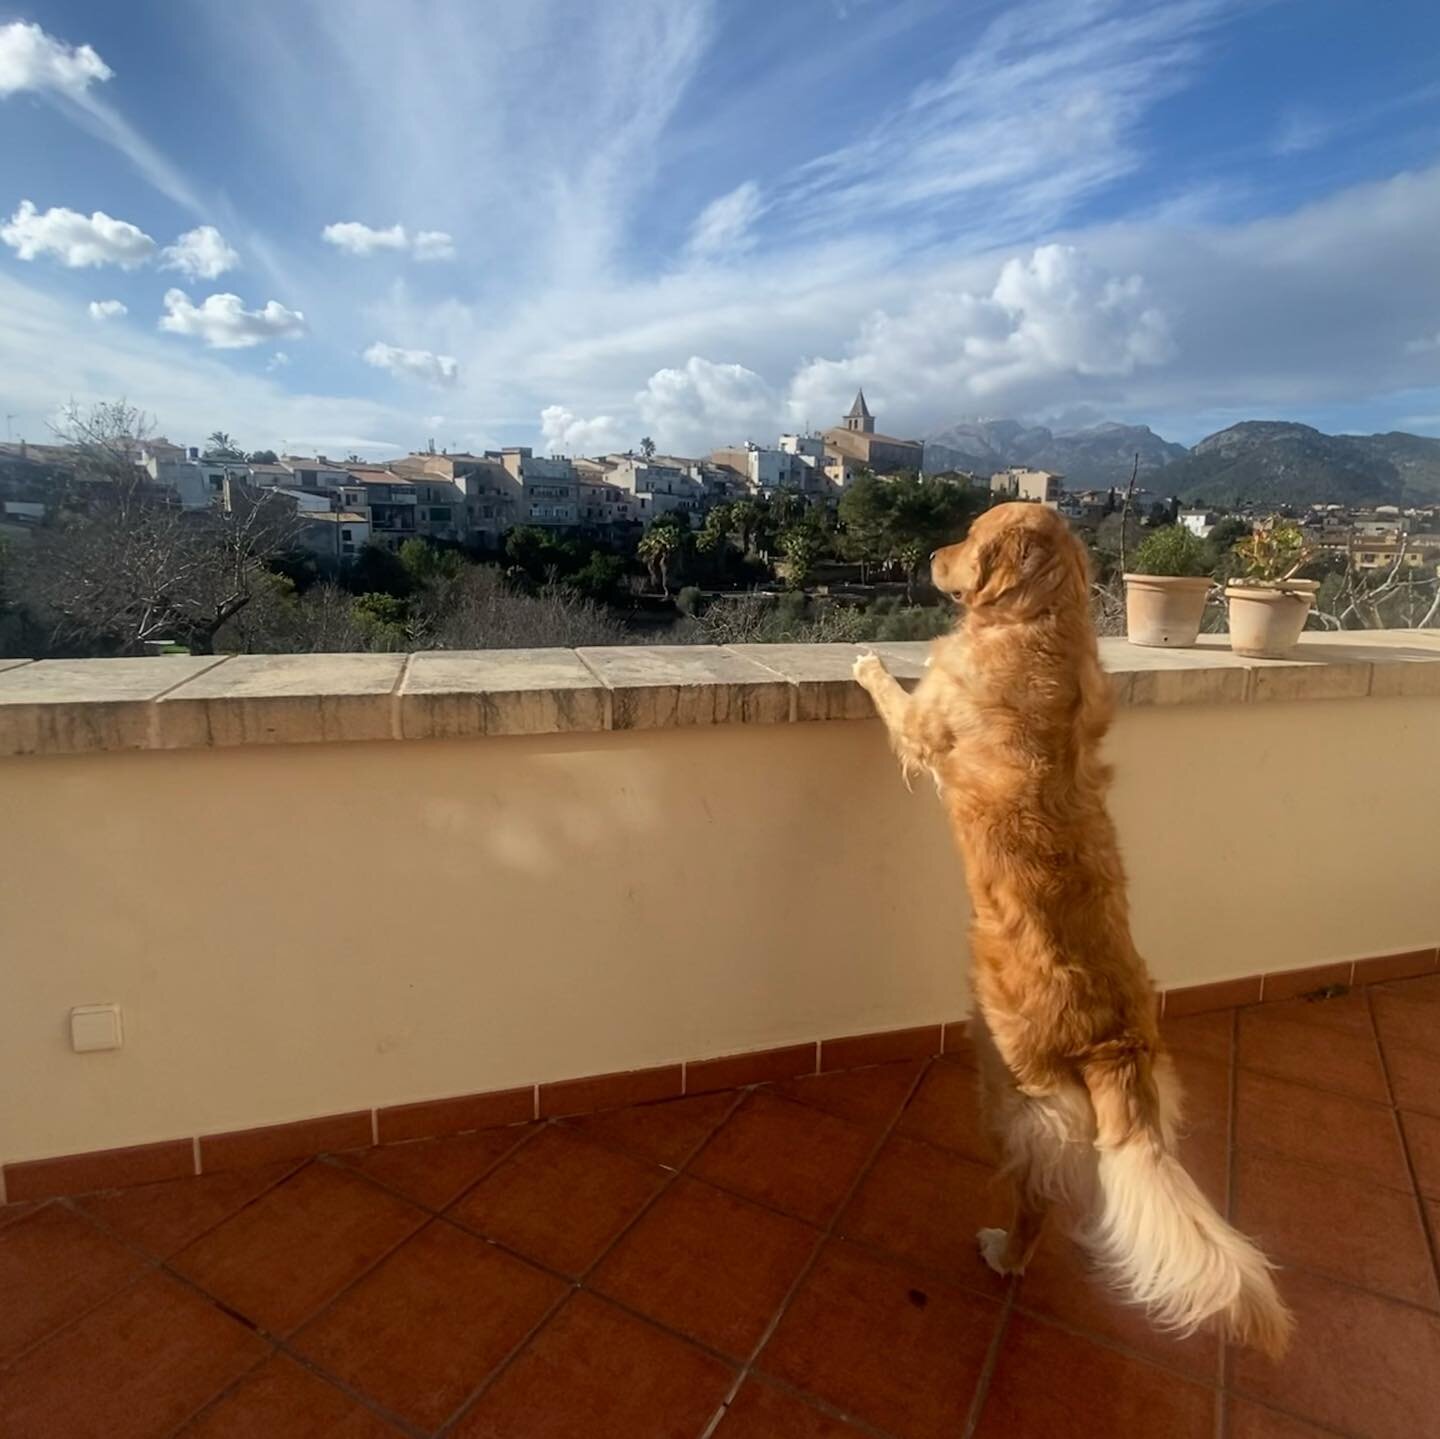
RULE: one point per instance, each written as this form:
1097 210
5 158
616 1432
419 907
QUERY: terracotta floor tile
885 1343
433 1172
1414 1078
1061 1386
868 1097
1406 1018
297 1246
1347 1013
560 1199
163 1218
1423 988
708 1264
284 1400
1331 1130
1329 1045
1205 1086
9 1213
1207 1035
1361 1364
1062 1284
945 1109
665 1133
786 1155
1254 1421
760 1411
134 1368
595 1372
53 1267
1364 1233
924 1204
1422 1135
421 1331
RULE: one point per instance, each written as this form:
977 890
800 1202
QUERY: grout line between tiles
1427 1225
992 1362
1222 1348
827 1233
576 1285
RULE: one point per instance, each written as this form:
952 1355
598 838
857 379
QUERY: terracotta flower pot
1164 609
1266 617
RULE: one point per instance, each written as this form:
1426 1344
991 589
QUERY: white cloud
76 240
564 433
417 364
725 223
224 323
703 404
108 309
363 240
277 361
434 245
1424 345
357 239
32 60
1049 318
201 253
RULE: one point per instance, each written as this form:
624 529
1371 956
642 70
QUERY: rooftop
787 1258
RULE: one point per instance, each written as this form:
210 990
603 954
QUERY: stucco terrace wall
318 884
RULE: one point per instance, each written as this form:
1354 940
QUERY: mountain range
1260 462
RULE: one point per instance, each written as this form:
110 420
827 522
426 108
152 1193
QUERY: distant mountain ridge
1262 462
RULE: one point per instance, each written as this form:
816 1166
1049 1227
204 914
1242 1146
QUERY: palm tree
656 550
219 444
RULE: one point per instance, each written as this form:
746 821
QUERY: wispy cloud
107 309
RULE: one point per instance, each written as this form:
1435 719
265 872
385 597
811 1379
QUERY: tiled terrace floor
792 1262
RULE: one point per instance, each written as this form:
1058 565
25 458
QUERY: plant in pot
1268 605
1166 592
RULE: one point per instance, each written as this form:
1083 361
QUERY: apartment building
1036 486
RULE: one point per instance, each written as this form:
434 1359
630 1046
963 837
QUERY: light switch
95 1026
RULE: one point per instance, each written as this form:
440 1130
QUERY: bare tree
121 563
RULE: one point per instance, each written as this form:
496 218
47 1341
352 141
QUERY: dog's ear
1010 563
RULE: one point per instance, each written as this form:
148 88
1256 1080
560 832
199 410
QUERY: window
308 477
440 515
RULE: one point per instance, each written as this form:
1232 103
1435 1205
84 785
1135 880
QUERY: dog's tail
1156 1233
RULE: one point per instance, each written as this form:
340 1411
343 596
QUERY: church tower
859 417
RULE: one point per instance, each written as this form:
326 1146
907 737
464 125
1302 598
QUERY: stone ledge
201 701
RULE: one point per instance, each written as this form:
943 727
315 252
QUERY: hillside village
475 500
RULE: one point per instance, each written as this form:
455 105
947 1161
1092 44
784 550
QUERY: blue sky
361 226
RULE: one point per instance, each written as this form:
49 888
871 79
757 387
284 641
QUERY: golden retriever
1077 1087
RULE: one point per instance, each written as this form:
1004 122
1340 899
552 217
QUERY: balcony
652 1040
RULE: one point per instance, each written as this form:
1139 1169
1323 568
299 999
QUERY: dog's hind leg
1004 1111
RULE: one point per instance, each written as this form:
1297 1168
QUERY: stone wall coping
207 701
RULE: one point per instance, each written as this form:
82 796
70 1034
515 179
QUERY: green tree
599 578
219 446
800 547
261 457
865 511
658 550
425 563
746 517
647 447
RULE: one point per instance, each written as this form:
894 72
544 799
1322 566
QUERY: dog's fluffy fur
1078 1091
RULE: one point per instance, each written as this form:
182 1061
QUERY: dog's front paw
869 670
993 1246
